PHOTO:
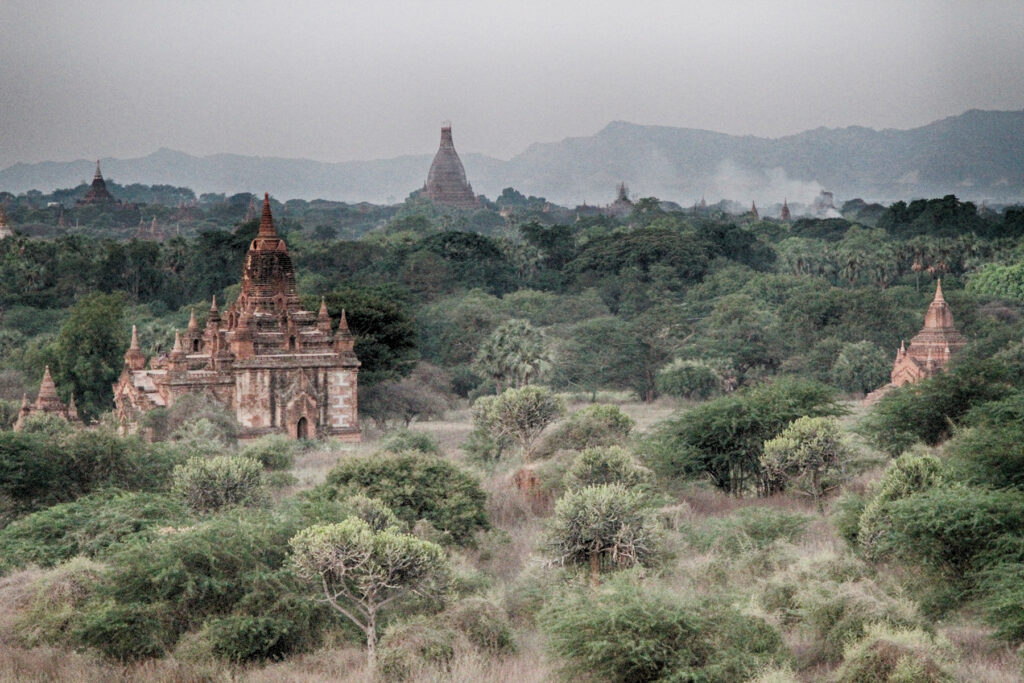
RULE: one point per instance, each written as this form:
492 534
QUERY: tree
208 484
810 452
519 414
860 367
515 354
610 465
723 438
604 524
362 571
88 353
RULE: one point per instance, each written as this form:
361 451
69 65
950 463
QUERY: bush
688 379
274 451
811 453
124 631
846 514
591 427
991 456
604 526
408 440
375 513
893 655
57 597
723 438
611 465
1001 597
746 529
520 415
908 474
416 486
483 623
409 646
212 483
631 633
245 638
88 526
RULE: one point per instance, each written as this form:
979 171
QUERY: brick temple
446 180
47 403
930 349
278 368
98 192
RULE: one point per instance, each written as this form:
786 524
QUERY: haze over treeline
977 155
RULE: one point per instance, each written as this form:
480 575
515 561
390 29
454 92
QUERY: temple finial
213 304
98 175
323 307
938 290
177 343
135 338
193 324
267 220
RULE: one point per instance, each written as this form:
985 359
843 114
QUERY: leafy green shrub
688 379
846 514
87 526
991 456
124 631
630 632
274 451
212 483
245 638
402 440
723 438
926 411
604 526
810 453
591 427
375 513
416 486
483 623
519 415
897 655
838 612
911 473
57 597
611 465
410 645
1001 596
947 528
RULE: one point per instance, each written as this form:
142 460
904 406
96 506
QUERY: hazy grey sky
337 81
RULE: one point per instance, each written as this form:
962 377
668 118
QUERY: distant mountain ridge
977 155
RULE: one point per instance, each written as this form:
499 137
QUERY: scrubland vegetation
618 450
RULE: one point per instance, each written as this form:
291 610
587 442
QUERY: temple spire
193 324
47 389
97 175
135 338
938 290
267 229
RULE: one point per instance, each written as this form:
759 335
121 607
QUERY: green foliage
846 514
991 456
908 474
245 638
518 414
209 484
688 379
723 439
89 527
590 427
811 453
361 571
993 279
57 597
926 411
946 528
860 367
611 465
408 440
1001 596
606 526
513 355
631 632
88 351
897 655
123 631
274 452
746 529
484 624
375 513
417 486
410 645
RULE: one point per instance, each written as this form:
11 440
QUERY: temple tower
785 211
932 347
98 193
5 228
46 402
446 180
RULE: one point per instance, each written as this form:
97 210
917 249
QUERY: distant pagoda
446 180
785 210
98 193
48 403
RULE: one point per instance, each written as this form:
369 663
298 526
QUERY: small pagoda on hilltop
98 192
930 349
277 368
47 403
446 180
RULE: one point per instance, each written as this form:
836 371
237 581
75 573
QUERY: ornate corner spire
178 349
193 324
135 338
323 307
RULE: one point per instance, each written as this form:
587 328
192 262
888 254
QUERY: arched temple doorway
302 429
